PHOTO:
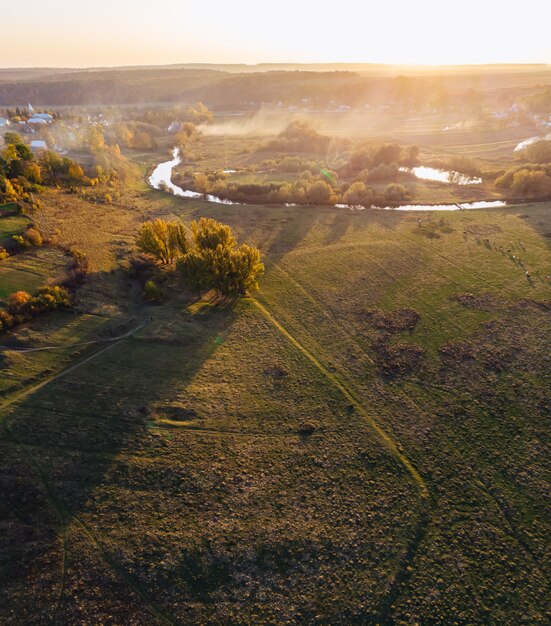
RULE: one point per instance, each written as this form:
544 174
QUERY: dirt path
382 434
420 528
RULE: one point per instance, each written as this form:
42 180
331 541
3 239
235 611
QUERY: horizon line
278 63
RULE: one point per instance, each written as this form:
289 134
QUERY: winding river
161 178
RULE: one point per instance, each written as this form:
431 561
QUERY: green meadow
361 441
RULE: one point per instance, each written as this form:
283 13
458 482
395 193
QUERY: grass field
164 478
31 270
11 225
10 207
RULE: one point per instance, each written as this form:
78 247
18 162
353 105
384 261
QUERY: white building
4 122
38 144
36 120
44 116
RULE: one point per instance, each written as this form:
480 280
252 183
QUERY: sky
75 33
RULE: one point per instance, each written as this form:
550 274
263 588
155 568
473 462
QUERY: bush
538 152
33 237
464 165
22 306
321 192
308 427
531 184
358 193
3 253
276 371
395 321
396 193
298 137
29 239
152 292
398 359
6 320
50 299
381 173
18 301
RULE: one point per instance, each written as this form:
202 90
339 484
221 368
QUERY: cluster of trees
133 134
307 189
186 139
368 158
22 306
22 172
207 255
298 137
30 238
532 179
458 163
108 163
199 114
527 182
322 189
537 152
293 164
359 194
368 164
19 173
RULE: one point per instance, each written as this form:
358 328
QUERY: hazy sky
123 32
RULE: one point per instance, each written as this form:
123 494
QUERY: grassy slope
30 271
171 477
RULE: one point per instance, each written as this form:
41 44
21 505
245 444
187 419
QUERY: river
161 178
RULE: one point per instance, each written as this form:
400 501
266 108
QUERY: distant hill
243 86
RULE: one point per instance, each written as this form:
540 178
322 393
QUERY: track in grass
64 515
423 520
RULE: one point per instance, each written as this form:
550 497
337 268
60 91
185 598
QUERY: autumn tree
18 301
11 138
209 234
95 139
200 114
201 183
75 174
33 173
52 164
244 271
196 270
538 152
358 193
216 262
394 192
321 192
165 241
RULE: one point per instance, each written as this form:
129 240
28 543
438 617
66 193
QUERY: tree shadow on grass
60 442
537 215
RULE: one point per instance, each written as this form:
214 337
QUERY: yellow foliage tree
166 241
